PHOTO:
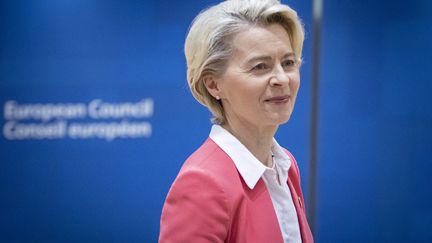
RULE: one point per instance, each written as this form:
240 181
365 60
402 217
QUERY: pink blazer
210 202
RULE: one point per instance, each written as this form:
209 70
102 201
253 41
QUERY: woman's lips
278 99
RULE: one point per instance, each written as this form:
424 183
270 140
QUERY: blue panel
74 52
376 136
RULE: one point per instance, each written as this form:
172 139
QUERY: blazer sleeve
195 210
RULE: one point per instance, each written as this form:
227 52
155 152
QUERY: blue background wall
375 120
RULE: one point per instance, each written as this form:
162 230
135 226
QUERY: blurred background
97 118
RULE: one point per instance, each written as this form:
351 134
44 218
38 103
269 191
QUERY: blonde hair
209 43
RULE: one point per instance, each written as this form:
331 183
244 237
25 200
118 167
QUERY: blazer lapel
294 186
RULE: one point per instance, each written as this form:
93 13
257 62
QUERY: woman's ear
212 85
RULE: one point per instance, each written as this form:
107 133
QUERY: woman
243 59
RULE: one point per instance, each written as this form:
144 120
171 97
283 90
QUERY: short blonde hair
209 43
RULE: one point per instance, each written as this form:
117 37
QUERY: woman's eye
289 63
260 66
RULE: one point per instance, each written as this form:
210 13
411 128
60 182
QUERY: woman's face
260 84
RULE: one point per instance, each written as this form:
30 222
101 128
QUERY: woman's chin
280 119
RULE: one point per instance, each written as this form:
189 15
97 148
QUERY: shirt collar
249 167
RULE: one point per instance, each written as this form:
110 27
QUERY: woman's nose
279 77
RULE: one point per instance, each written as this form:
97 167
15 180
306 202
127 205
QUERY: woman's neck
258 140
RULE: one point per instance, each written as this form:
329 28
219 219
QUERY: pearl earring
217 97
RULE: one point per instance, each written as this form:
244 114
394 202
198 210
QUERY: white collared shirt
251 169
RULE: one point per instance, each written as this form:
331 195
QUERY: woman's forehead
262 41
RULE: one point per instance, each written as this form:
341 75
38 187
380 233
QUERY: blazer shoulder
215 168
197 195
209 157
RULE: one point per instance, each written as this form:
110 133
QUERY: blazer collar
249 167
